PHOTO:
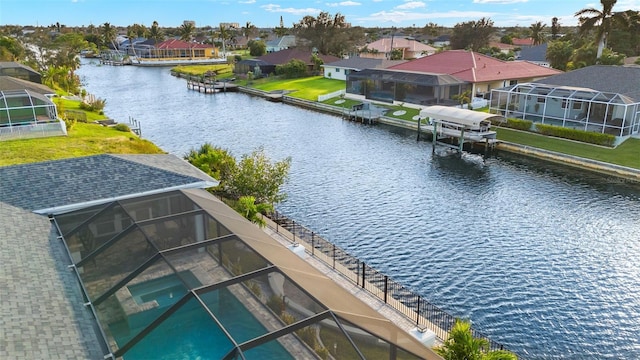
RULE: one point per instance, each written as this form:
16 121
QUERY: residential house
136 260
535 54
174 49
341 68
406 86
383 48
442 41
522 43
482 72
600 98
26 109
17 70
266 64
281 43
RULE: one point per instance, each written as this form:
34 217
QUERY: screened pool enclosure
24 114
180 275
573 107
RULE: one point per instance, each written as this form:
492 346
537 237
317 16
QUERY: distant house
19 71
442 41
482 72
174 49
341 68
281 43
597 98
504 48
522 43
535 54
267 63
383 48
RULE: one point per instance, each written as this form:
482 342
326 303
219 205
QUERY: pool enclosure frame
27 114
572 107
117 244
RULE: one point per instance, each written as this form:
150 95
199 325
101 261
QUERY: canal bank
622 172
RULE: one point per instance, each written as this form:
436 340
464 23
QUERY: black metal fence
412 305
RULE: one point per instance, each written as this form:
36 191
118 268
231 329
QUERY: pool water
190 333
165 290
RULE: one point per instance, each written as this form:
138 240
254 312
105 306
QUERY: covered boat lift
465 125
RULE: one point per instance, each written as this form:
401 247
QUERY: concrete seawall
627 173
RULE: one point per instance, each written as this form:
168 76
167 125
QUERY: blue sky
267 13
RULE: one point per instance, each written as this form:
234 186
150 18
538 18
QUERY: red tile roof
180 44
522 42
473 67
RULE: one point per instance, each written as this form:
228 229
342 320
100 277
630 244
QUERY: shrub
293 69
511 123
95 105
575 134
519 124
122 127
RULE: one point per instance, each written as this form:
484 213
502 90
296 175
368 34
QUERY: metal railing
415 307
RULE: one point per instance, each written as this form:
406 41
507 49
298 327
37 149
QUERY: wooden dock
211 87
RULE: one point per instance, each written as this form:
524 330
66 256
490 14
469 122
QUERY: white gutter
71 207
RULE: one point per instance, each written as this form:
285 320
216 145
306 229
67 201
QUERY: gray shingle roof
71 181
536 53
623 80
360 63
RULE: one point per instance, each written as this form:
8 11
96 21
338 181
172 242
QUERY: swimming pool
190 333
165 290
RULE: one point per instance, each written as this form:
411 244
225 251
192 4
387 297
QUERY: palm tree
223 34
186 33
109 35
599 20
131 34
536 33
248 30
461 345
155 34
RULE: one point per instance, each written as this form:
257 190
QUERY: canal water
543 259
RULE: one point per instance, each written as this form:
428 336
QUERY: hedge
575 134
517 124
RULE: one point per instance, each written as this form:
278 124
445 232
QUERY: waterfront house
267 63
174 51
137 261
598 98
25 112
19 71
341 68
482 72
405 86
383 48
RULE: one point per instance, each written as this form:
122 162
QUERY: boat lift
462 124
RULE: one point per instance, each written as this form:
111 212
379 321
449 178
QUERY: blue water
190 333
166 290
542 258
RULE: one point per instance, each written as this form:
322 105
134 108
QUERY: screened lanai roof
569 92
180 274
418 78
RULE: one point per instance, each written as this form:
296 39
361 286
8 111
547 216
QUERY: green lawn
82 140
304 88
627 154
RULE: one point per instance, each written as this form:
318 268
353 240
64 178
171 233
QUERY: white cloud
344 3
277 8
247 2
411 5
499 2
